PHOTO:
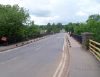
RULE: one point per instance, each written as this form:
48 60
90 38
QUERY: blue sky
64 11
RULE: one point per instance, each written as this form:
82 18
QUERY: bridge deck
82 62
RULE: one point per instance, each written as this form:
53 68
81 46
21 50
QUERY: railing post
85 39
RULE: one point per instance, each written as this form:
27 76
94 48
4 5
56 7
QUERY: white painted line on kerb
15 48
12 49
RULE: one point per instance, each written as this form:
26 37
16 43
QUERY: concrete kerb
28 42
23 43
68 45
66 50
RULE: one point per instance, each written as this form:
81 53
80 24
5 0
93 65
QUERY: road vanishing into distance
38 59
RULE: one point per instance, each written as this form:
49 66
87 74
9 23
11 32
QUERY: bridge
56 55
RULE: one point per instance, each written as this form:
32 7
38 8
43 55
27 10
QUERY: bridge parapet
85 39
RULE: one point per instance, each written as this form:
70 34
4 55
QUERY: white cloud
43 20
44 11
80 13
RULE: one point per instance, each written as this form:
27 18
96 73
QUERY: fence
77 37
94 47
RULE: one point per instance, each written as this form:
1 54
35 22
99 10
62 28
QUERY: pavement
82 62
38 59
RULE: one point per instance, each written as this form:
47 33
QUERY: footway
82 62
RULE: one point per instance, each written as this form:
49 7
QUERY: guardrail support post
85 39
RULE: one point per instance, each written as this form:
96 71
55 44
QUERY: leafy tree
12 20
92 25
54 28
33 30
49 28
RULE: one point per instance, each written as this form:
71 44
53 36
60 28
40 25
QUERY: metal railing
77 37
94 47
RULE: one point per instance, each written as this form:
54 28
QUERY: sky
58 11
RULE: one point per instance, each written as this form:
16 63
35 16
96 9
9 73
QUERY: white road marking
12 49
61 71
62 63
15 48
58 68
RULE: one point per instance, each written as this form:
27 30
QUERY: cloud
64 11
97 1
44 20
40 13
80 13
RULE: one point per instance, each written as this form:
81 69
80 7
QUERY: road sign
4 39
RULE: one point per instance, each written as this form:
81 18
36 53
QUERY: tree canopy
12 20
16 26
92 25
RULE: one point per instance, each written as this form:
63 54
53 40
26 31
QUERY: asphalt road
38 59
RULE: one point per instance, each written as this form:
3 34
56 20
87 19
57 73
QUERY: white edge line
9 50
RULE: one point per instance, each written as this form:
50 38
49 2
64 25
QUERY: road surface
38 59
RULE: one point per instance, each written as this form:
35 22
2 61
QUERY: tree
95 17
92 25
33 30
54 28
49 28
12 21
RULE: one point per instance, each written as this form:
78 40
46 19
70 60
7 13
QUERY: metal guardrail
94 47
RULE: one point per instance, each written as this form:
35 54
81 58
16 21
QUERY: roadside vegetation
92 25
15 25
